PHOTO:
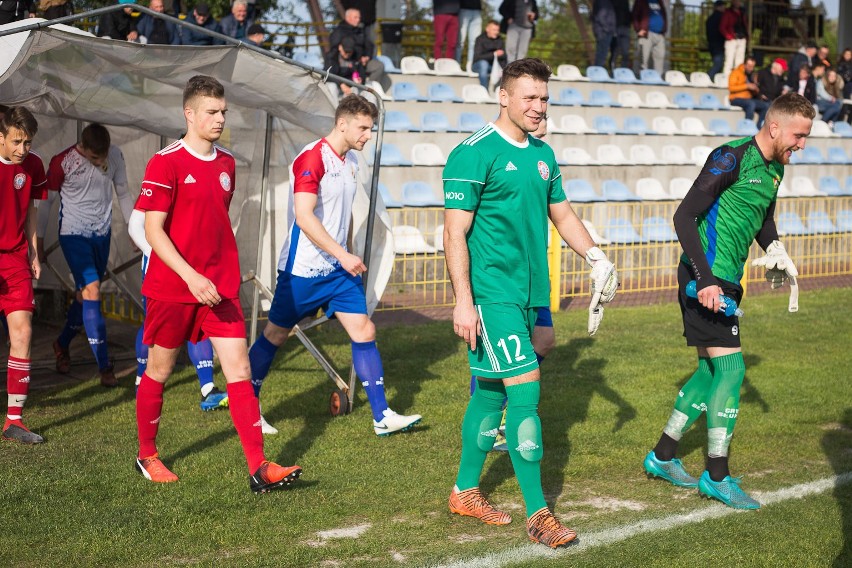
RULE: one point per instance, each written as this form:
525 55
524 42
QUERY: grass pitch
363 501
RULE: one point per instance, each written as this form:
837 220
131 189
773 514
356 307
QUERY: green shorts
504 348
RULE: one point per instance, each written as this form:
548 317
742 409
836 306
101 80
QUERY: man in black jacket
488 45
351 27
14 10
770 80
805 56
201 17
119 25
715 39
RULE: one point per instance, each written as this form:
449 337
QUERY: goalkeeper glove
604 284
779 267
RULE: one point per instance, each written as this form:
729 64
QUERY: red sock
149 407
245 412
17 385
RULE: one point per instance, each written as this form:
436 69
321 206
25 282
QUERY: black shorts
701 327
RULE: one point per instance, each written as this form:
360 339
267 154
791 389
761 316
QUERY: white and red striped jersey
320 170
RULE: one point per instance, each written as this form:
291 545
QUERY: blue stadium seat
569 96
848 185
709 101
599 97
405 91
819 222
790 223
387 198
720 126
597 73
624 75
684 100
309 58
420 194
388 63
636 125
605 124
745 127
442 93
837 155
830 185
658 229
470 122
621 231
810 155
843 129
434 121
844 220
614 190
580 191
651 77
398 121
391 156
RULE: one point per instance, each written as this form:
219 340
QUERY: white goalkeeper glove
604 284
779 268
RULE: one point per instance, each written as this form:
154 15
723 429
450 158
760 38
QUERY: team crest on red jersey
20 180
225 181
543 170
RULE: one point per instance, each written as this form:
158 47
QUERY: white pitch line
521 554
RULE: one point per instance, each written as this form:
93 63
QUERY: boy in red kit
22 180
192 283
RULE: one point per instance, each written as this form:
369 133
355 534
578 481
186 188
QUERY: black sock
666 448
718 468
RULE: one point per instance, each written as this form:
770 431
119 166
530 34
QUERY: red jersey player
22 180
192 283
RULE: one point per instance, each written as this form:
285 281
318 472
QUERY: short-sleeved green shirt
508 186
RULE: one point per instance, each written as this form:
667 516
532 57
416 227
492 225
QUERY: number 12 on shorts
504 345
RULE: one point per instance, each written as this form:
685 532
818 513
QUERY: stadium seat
636 125
387 198
679 187
434 121
391 156
720 81
684 100
567 72
388 63
820 129
709 101
642 154
575 124
576 156
674 154
450 67
720 127
309 58
623 75
442 93
848 185
629 98
598 74
745 127
810 155
569 96
789 223
605 124
614 190
664 125
476 93
784 190
837 155
619 230
596 237
693 126
601 98
552 126
405 91
830 185
580 191
413 65
420 194
819 222
427 154
700 79
843 129
470 122
658 230
610 155
409 240
676 78
651 77
803 187
657 99
439 237
844 220
378 88
650 189
700 154
398 121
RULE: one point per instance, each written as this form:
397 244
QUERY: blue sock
95 326
201 355
141 352
368 367
539 358
261 355
73 324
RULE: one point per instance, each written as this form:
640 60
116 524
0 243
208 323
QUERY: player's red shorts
16 282
170 324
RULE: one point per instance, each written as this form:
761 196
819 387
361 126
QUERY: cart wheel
338 403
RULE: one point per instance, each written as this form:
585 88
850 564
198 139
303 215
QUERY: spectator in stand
202 18
770 80
834 86
172 7
604 28
824 57
255 35
488 45
237 23
735 30
805 56
446 21
156 30
805 84
53 9
351 26
620 47
519 17
744 93
650 23
344 63
119 24
828 104
14 10
715 39
367 9
844 69
470 28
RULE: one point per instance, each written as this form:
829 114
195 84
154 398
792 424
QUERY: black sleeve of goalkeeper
768 232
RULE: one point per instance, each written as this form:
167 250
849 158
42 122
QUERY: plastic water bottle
728 305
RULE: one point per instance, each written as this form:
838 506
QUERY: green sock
479 429
691 400
723 404
523 436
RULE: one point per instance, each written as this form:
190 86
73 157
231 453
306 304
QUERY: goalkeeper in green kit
730 204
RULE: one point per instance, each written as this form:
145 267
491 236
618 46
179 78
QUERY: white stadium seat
409 240
700 79
413 65
629 98
642 154
657 99
427 154
679 186
694 127
699 154
650 189
476 93
567 72
674 154
451 67
676 78
664 125
576 156
610 155
575 124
